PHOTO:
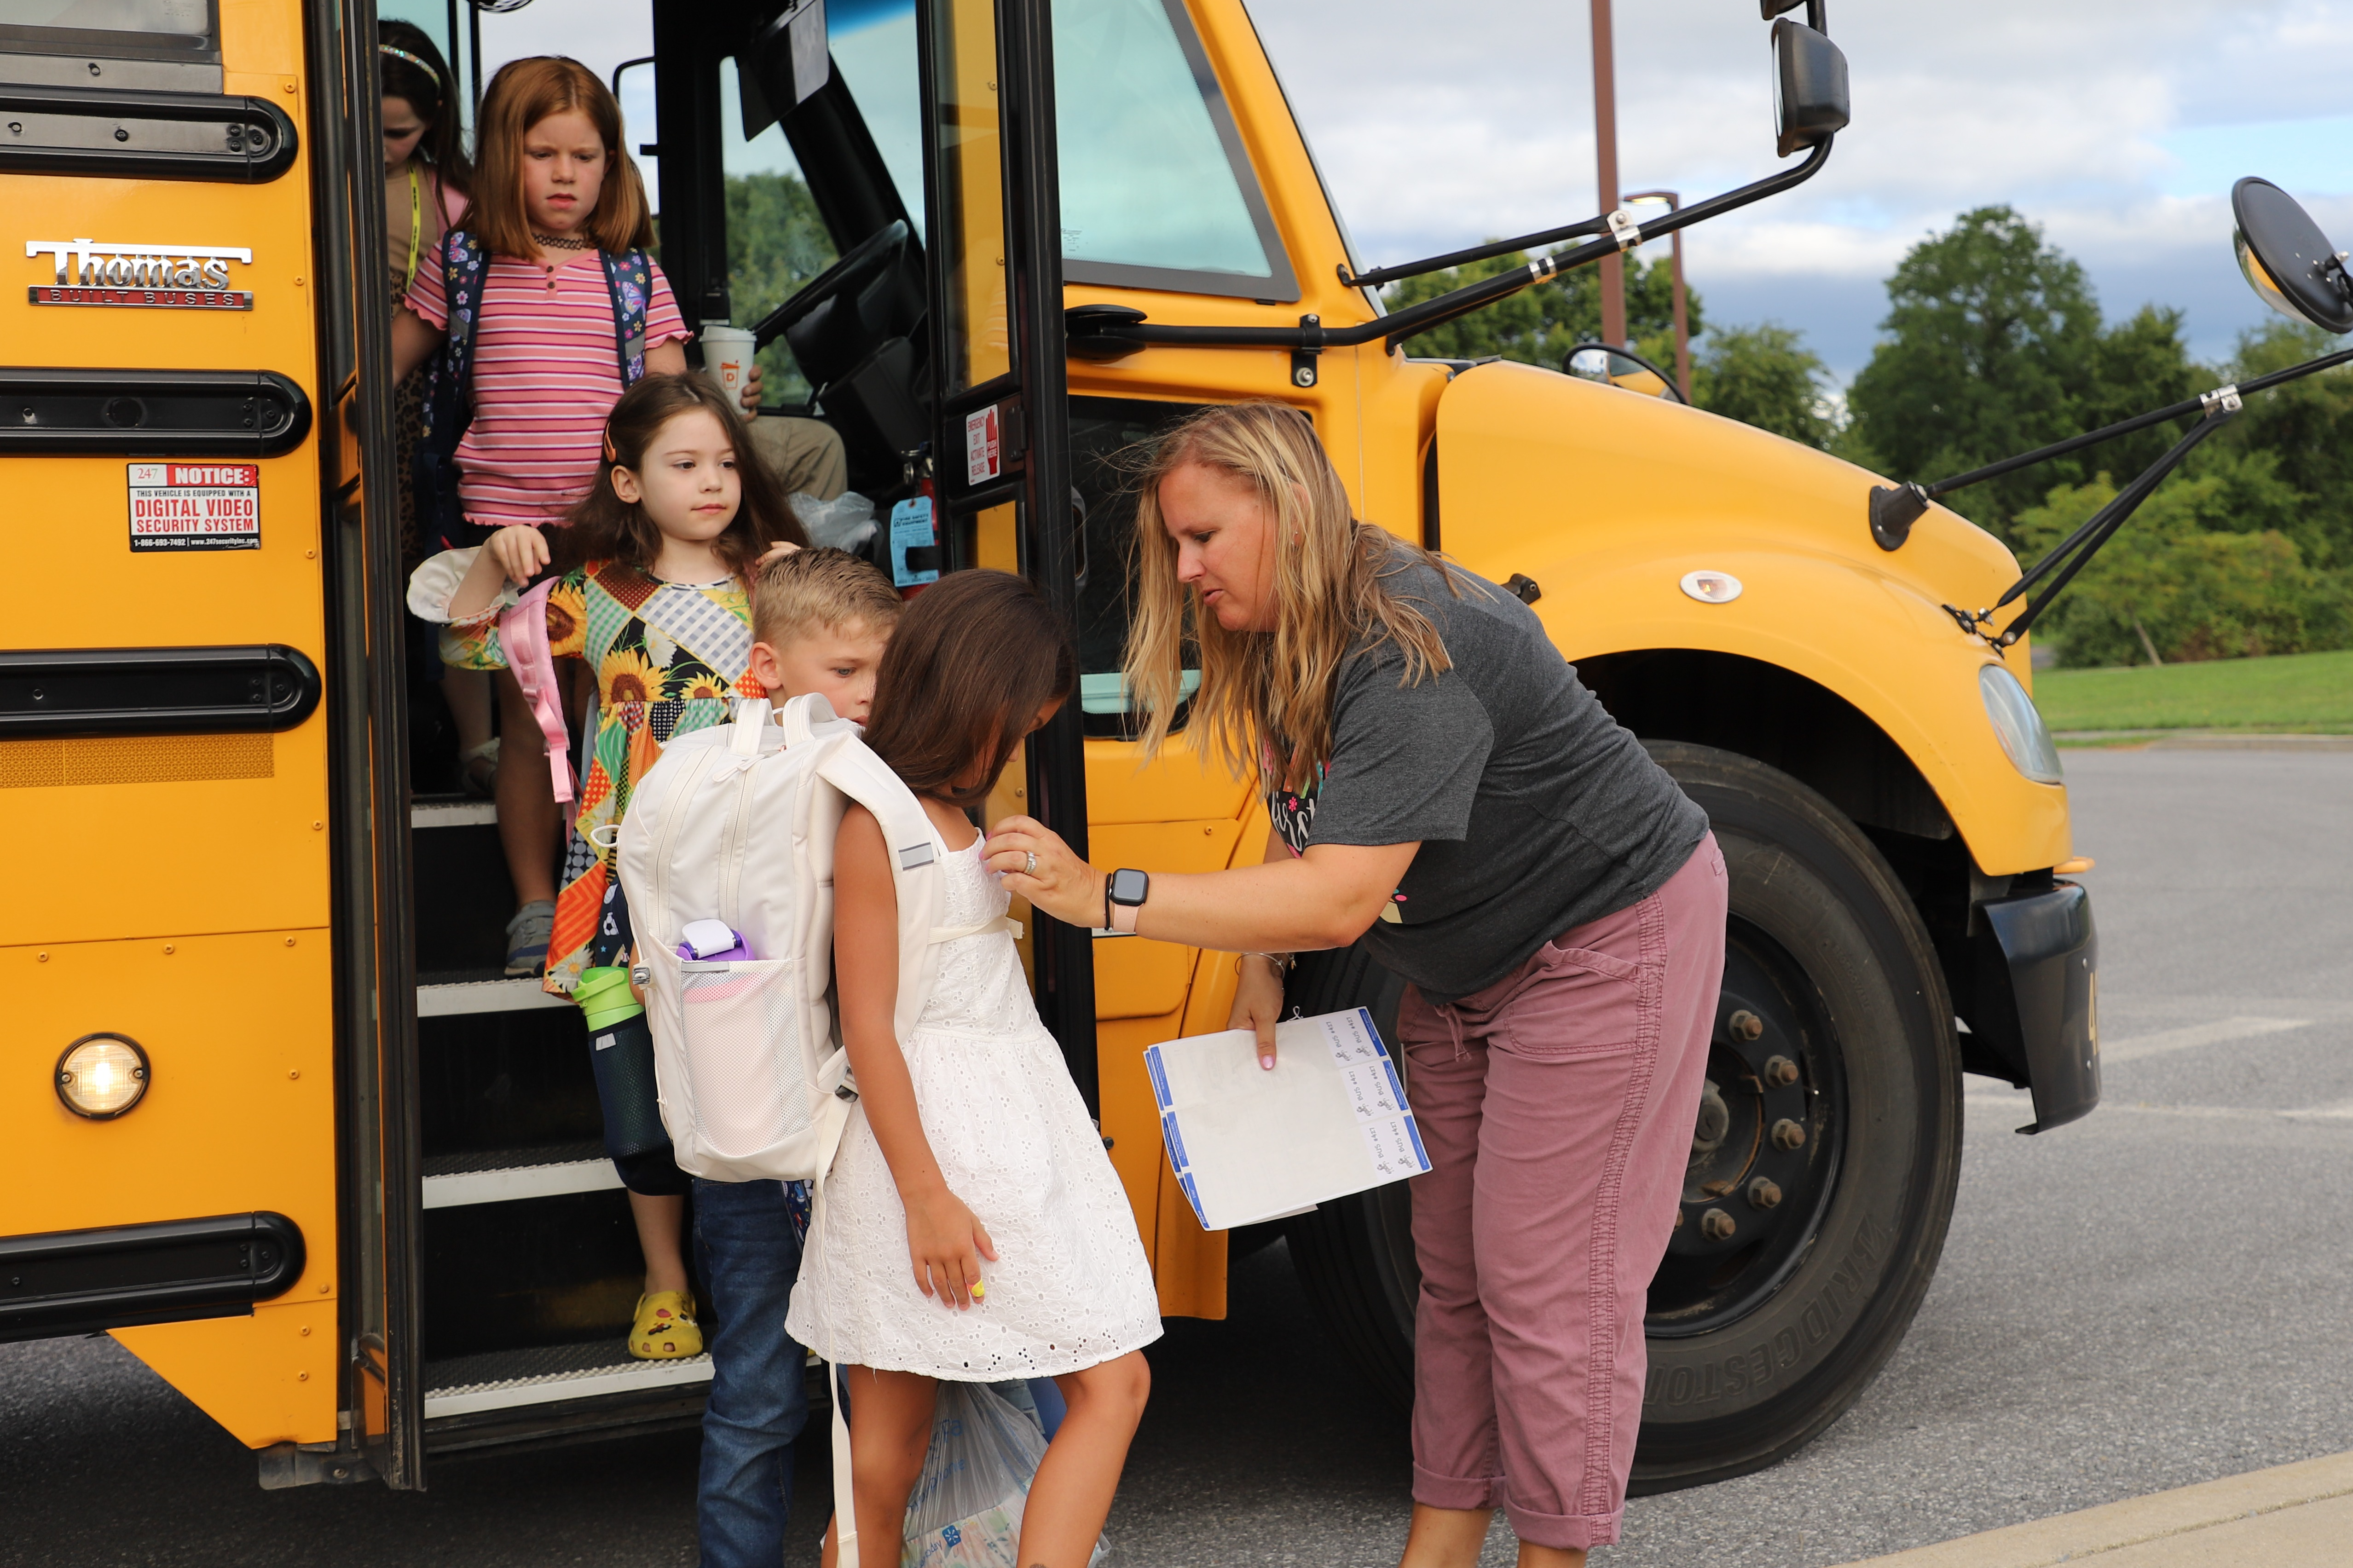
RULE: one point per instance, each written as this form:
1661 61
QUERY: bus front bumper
2036 963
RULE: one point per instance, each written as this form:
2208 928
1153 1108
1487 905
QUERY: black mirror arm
1109 338
1894 510
2087 541
1381 275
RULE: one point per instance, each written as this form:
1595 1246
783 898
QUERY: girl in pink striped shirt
554 194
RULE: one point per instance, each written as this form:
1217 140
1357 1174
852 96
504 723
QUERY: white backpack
736 823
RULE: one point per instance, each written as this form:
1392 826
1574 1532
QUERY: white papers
1248 1145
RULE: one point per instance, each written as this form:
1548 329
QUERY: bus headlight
101 1076
2019 725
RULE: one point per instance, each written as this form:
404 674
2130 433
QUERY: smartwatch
1123 894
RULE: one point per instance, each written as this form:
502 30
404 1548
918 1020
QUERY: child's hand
777 552
519 550
943 1239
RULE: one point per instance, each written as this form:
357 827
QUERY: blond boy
820 620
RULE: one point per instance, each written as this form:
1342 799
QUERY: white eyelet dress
1071 1288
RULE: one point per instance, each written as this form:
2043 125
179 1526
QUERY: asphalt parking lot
2154 1297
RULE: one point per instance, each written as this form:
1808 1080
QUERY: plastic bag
845 522
965 1510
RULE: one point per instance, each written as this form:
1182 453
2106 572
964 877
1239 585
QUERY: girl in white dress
973 1228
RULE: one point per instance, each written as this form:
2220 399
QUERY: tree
2304 432
2180 580
776 243
1764 376
1994 346
1540 325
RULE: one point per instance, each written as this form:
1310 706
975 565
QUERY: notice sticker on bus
195 506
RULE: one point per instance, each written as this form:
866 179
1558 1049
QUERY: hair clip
416 61
612 453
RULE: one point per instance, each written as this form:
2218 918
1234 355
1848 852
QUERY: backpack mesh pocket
741 1054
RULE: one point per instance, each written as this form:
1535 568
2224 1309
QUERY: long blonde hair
1268 689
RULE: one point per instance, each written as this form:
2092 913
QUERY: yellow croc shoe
665 1329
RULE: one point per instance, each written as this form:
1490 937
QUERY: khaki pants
804 456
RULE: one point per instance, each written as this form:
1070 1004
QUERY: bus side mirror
2288 262
1810 97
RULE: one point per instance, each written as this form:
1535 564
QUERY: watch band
1122 916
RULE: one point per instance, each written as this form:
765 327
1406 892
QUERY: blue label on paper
1174 1140
1159 1077
915 543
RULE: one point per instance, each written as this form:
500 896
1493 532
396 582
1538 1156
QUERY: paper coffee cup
727 357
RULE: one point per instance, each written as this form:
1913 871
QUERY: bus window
119 44
1157 193
776 240
1105 432
874 45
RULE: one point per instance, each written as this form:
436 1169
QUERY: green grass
2302 693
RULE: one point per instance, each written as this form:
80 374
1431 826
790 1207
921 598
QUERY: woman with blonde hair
1441 786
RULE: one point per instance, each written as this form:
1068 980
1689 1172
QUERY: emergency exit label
195 506
983 445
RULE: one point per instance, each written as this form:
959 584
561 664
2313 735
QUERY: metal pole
1061 956
1605 147
1683 316
474 57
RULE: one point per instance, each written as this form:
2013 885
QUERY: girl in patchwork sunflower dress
648 585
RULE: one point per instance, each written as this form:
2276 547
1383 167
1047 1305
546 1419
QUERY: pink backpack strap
522 634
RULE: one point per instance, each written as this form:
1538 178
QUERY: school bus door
1001 444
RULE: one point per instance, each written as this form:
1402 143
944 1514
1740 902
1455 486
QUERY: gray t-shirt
1534 810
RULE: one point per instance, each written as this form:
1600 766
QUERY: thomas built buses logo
171 277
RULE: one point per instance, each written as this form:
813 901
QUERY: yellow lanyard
416 226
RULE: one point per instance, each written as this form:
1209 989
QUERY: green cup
604 996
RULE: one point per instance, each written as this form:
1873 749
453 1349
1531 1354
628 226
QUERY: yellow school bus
299 1147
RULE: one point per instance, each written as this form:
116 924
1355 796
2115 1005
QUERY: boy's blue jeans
748 1246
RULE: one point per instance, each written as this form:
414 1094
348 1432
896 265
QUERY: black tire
1355 1257
1760 1340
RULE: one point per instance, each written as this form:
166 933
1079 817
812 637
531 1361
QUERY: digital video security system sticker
195 506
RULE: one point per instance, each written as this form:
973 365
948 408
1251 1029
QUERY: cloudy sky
2117 124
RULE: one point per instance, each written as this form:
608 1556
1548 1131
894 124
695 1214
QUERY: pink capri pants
1557 1107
